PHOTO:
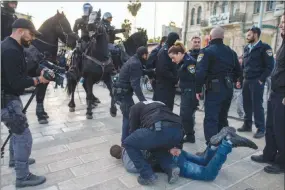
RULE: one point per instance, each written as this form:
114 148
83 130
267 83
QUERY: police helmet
107 15
5 4
87 9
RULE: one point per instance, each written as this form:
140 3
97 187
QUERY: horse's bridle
64 33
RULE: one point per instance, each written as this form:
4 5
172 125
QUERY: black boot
261 159
41 114
152 180
30 180
245 128
274 169
238 141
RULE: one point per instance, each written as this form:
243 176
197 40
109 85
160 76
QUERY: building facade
235 17
167 29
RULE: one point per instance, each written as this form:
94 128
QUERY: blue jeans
125 107
159 142
253 103
206 167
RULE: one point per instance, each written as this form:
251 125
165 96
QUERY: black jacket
186 72
166 70
146 114
130 76
81 24
111 31
278 76
258 63
216 61
7 19
13 68
194 53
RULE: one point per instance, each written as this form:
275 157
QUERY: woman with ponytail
186 73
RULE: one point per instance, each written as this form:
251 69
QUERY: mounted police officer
186 74
128 83
258 64
13 82
274 150
7 17
151 64
106 20
217 68
166 73
195 46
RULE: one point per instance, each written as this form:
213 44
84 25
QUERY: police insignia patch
200 57
191 68
269 52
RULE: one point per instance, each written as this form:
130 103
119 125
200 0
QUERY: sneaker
12 163
273 169
259 134
217 139
152 180
239 141
189 138
30 180
173 175
245 128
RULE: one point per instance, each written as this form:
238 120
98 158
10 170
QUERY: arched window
225 7
199 15
215 8
192 16
256 7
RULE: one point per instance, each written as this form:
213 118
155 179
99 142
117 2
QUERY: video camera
46 66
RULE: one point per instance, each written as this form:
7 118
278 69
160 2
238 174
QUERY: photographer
14 81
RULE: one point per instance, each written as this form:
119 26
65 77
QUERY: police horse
54 28
95 64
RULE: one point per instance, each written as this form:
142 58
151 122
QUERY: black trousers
275 130
165 93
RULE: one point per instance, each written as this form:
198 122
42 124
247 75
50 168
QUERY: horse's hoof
71 109
113 112
97 101
89 116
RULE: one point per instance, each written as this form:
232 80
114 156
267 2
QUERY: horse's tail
73 74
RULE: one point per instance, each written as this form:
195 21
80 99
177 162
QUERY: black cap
26 24
256 30
141 51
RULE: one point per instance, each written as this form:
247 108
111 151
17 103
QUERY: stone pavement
73 152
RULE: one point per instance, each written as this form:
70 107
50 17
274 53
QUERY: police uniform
153 126
129 81
257 66
188 105
194 53
217 68
274 150
7 19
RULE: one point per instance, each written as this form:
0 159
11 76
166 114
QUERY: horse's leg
89 88
109 84
40 111
71 87
94 102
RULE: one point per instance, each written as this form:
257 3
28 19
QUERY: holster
229 82
119 92
213 85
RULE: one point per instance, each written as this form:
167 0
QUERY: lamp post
154 21
261 14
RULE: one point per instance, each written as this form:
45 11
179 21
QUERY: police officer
186 74
195 47
129 81
106 20
81 23
14 81
257 66
217 68
151 62
153 126
7 17
166 73
274 150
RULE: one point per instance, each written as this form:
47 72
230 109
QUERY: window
270 5
215 8
256 7
235 7
199 15
225 7
192 16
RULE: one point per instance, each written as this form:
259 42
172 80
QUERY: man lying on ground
204 167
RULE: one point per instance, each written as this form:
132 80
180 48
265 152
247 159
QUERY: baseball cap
255 29
26 24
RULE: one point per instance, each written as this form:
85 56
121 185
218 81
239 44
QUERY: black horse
54 28
95 64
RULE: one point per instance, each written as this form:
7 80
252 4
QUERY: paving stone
94 166
91 179
96 140
49 151
199 185
68 129
113 184
239 186
52 132
42 139
60 165
96 155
